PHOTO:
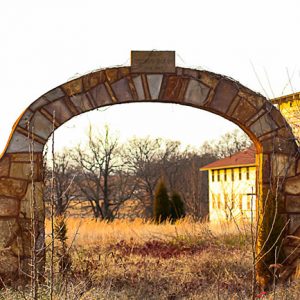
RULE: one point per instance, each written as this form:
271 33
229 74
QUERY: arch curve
278 173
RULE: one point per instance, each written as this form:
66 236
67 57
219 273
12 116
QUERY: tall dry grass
142 260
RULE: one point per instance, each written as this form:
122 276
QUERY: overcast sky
45 43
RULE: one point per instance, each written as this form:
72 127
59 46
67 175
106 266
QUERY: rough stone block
10 187
54 94
282 165
244 111
93 79
9 207
25 119
21 143
38 103
196 92
100 96
41 126
23 171
8 229
82 102
263 125
26 201
154 83
175 88
60 110
121 90
292 185
294 223
8 263
115 74
293 203
73 87
139 87
4 166
225 92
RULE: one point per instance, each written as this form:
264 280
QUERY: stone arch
278 171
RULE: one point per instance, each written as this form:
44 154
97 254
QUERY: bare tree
102 174
64 189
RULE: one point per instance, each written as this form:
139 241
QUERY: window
241 202
247 173
213 175
218 175
225 175
240 173
232 174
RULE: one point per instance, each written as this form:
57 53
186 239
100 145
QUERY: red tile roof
246 157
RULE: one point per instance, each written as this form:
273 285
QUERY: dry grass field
142 260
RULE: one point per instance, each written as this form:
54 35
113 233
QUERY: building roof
240 159
286 98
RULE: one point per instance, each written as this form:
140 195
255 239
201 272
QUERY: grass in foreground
142 260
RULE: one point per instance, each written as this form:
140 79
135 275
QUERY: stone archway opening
153 77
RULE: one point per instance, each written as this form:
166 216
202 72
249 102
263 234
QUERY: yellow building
232 186
232 180
289 106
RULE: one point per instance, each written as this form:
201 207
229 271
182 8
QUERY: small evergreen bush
161 209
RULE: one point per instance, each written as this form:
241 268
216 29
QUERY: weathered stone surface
38 103
8 263
100 96
256 100
60 110
4 166
293 203
294 223
21 143
9 207
121 90
292 185
139 87
282 165
115 74
23 171
279 145
153 61
8 229
154 83
93 79
175 88
225 92
73 87
12 187
263 125
243 111
27 200
54 94
25 157
196 92
82 102
41 126
25 119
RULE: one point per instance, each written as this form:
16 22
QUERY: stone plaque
153 61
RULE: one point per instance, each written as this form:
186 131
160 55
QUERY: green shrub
161 209
177 210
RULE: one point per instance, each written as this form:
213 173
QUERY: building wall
230 193
291 111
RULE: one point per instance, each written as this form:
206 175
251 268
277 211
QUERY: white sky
45 43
